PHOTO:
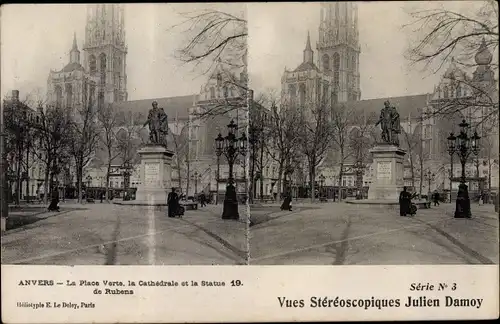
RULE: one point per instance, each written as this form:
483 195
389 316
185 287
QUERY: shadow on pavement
340 249
111 249
468 251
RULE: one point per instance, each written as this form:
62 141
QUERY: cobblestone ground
124 235
339 233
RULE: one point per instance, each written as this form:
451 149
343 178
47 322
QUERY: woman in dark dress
54 200
286 205
172 203
404 202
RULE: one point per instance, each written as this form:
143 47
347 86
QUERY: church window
326 86
212 93
226 92
219 79
100 103
302 94
326 62
336 69
102 59
458 91
446 94
59 96
92 64
69 95
292 91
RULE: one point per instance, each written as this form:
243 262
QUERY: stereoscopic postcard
247 162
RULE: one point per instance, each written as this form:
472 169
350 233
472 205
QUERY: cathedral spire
75 46
308 52
74 55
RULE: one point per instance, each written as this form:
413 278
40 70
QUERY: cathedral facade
99 77
333 75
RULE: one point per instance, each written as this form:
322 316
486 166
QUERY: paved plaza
345 234
96 234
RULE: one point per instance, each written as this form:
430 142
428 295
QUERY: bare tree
85 138
316 133
361 138
444 35
181 146
217 39
214 36
341 125
108 120
283 137
411 142
53 133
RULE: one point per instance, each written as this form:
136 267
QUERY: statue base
388 172
155 175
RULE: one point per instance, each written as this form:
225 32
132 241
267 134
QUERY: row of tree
64 139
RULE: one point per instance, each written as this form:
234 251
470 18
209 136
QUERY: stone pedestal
388 173
156 176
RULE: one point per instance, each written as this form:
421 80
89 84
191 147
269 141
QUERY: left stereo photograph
124 134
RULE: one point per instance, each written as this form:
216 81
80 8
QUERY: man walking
203 199
435 198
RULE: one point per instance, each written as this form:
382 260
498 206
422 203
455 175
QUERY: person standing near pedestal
172 203
404 202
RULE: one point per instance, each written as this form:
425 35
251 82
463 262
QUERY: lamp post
219 147
195 176
126 180
89 180
321 183
463 145
430 177
231 147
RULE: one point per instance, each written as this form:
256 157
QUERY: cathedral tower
105 51
338 48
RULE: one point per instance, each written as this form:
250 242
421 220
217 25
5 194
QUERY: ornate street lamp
219 147
231 147
321 183
195 176
430 177
463 145
126 180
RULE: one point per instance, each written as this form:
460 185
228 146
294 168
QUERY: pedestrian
287 203
101 195
435 198
172 203
54 200
462 207
203 199
404 203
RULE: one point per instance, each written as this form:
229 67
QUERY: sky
37 38
277 38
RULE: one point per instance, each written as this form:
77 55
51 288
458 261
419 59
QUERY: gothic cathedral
102 78
334 75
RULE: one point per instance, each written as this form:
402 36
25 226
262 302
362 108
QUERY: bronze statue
390 124
158 124
395 126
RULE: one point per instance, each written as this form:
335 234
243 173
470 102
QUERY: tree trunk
262 171
412 173
341 174
312 178
421 174
280 174
18 174
252 175
107 181
27 174
187 177
46 183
